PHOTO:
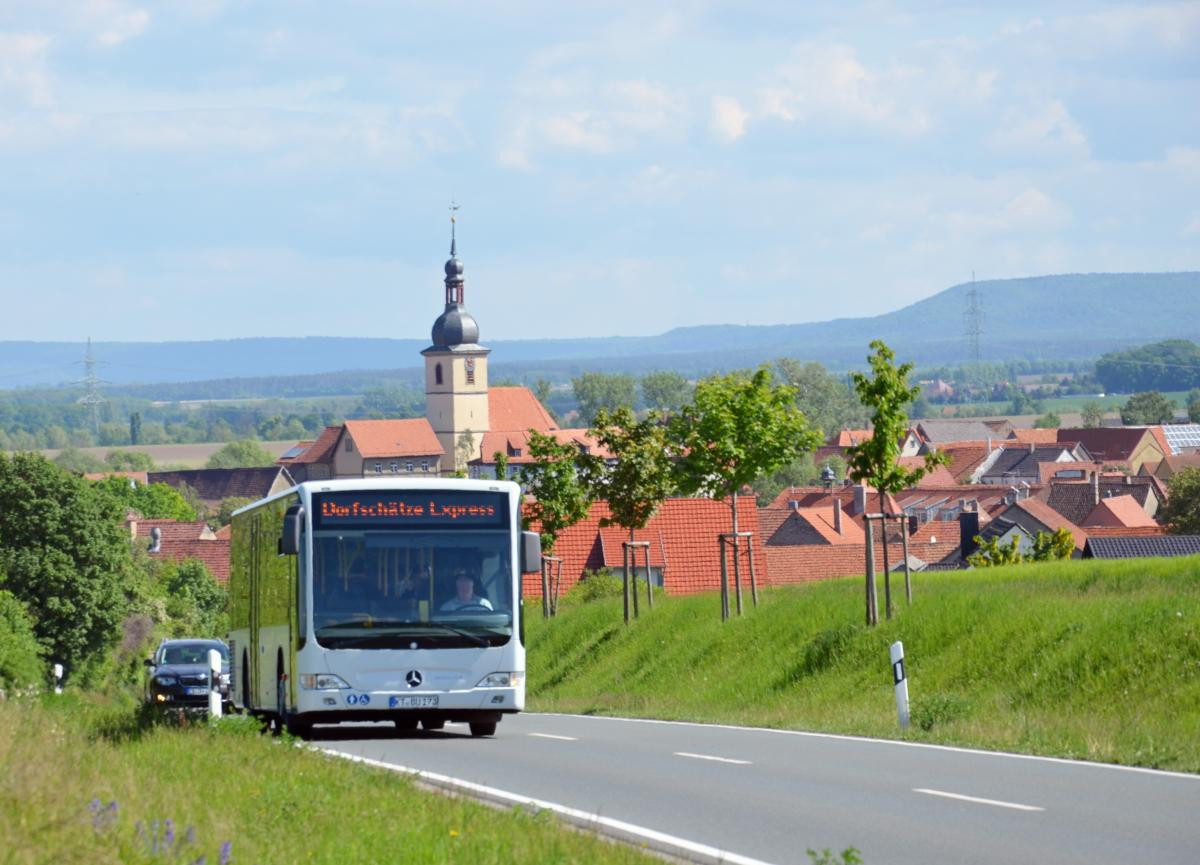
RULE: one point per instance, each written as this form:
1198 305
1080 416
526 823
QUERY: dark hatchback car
179 674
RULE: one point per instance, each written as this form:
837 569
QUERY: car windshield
387 589
191 653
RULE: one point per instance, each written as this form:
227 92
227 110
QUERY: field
1091 660
82 782
192 456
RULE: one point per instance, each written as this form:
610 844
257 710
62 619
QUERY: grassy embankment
1090 660
64 763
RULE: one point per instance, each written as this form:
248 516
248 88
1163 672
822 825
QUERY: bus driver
464 592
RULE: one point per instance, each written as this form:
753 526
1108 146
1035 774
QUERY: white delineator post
214 683
901 681
58 673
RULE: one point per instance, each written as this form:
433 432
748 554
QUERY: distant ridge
1071 316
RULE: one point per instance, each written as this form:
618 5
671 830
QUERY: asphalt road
770 795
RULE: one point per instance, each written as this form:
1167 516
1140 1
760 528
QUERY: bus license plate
413 702
195 692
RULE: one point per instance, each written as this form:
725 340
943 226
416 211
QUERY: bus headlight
321 681
501 680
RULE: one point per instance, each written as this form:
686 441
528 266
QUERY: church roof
394 438
516 409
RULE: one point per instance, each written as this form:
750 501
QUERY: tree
597 390
152 501
65 556
1093 414
195 601
1047 547
737 428
1172 364
1053 546
638 481
875 460
825 399
464 452
244 453
79 462
228 505
129 461
558 496
135 428
1181 513
21 663
500 458
665 392
1193 405
1150 407
1049 420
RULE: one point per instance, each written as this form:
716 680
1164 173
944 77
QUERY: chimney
1095 488
837 515
1128 481
155 540
860 499
1031 447
968 528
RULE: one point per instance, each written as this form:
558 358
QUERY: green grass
273 801
1092 660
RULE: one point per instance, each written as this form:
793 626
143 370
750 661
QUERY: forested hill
1067 316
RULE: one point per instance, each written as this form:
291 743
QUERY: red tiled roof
1034 436
513 441
140 477
848 437
180 541
964 458
225 532
683 532
1161 437
171 530
1047 471
940 476
1126 531
300 449
1119 511
412 437
214 554
320 449
1052 519
516 409
1107 444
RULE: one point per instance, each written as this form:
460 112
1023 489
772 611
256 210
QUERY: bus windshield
391 589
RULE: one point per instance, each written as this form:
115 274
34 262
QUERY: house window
437 374
408 467
395 467
349 445
378 468
425 465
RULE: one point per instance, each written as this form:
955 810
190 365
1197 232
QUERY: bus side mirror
293 520
531 552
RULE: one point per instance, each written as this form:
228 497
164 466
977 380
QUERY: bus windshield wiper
478 640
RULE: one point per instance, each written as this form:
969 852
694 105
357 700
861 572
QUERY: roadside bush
21 663
938 709
595 586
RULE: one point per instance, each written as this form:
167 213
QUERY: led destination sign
409 508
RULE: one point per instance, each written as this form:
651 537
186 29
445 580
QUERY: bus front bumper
343 703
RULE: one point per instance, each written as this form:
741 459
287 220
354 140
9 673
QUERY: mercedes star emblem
413 677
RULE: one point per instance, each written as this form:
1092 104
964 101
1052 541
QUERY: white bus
380 600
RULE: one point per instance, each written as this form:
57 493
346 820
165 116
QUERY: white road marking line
628 832
710 757
1016 805
848 738
552 736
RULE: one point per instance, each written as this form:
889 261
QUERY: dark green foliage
886 392
244 453
196 604
1181 513
1172 364
1049 420
1193 405
642 477
1047 547
229 504
1093 414
555 484
135 428
1147 408
129 461
826 400
594 586
152 501
21 663
596 390
665 392
64 555
73 460
390 402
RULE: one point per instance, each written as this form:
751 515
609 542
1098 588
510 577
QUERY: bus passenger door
253 647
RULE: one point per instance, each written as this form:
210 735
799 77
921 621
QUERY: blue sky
205 169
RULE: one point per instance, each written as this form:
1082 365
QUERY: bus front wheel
483 728
433 723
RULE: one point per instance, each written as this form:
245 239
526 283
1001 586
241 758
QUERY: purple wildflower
190 835
200 861
168 835
226 852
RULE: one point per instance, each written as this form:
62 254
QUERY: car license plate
413 702
195 692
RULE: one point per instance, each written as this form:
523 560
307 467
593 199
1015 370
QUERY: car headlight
322 681
501 680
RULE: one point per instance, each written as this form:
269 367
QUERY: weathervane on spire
454 208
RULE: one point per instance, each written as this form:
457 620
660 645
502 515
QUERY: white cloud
112 22
728 118
1044 128
23 68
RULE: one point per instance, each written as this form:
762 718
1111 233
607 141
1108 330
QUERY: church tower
456 381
